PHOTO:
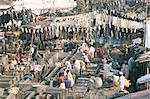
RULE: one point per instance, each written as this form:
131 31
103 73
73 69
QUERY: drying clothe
53 31
98 20
110 21
45 34
87 34
91 33
50 32
60 32
63 32
115 21
57 30
127 24
37 36
123 23
28 36
74 33
118 23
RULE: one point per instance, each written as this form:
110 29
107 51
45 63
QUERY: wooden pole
4 45
147 68
148 73
146 23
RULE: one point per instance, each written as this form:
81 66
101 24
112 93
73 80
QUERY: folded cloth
62 86
14 90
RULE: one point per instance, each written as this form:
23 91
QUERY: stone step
7 76
3 97
4 84
8 73
5 80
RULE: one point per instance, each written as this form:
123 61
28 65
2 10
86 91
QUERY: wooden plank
61 92
31 95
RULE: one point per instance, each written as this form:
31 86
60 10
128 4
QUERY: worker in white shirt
31 51
69 77
122 80
86 60
77 67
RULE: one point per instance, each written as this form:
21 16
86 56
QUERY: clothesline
85 20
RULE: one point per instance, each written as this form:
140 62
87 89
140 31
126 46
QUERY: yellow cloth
127 83
87 24
116 83
17 33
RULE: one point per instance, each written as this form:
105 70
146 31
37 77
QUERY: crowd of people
115 64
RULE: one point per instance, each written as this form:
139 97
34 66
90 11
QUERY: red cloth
17 58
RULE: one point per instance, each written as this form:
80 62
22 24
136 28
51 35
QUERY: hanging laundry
45 33
63 32
53 31
42 34
127 24
123 23
110 21
118 23
115 21
57 30
49 33
78 33
82 33
70 33
94 22
91 32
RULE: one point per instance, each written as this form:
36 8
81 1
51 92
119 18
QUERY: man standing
122 81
